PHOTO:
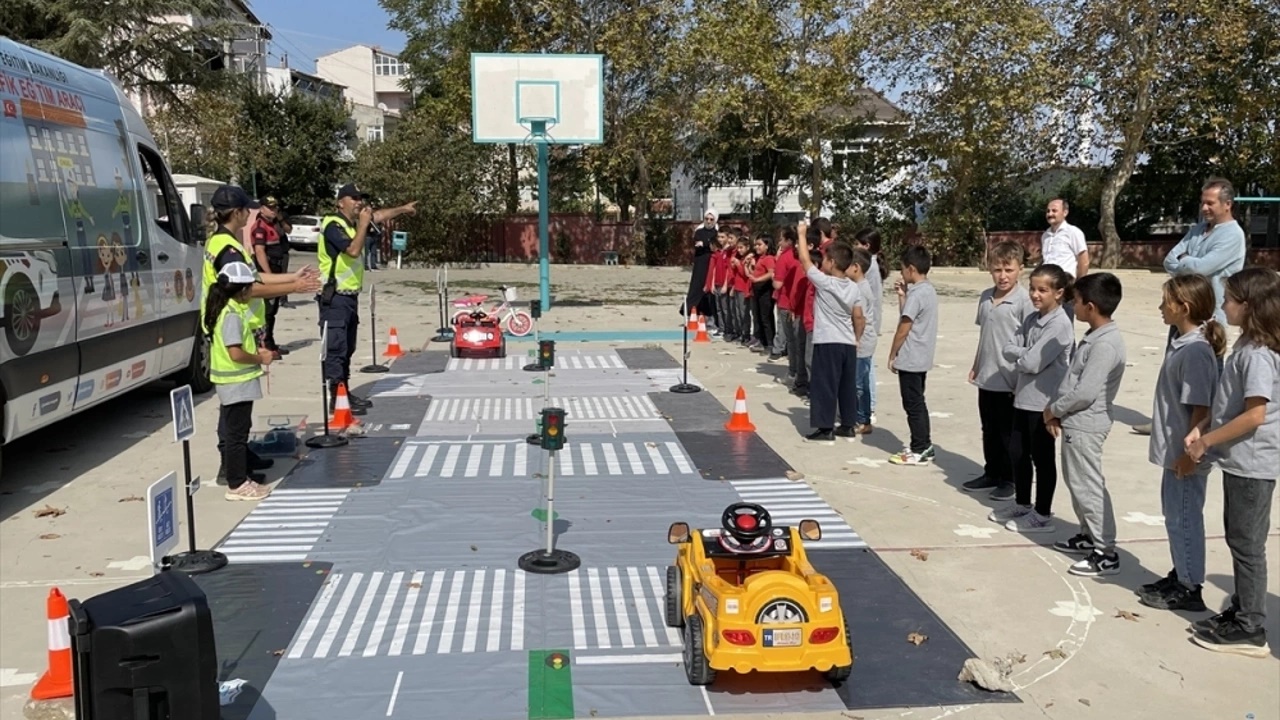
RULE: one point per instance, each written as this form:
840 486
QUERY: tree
1174 73
974 78
206 143
131 39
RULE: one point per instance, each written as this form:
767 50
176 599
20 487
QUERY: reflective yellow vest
222 369
212 249
350 271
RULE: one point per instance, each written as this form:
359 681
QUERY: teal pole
544 242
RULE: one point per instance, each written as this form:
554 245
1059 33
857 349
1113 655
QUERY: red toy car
477 334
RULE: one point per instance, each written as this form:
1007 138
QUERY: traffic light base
534 439
198 562
543 563
685 388
534 367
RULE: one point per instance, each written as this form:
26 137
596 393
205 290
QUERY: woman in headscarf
705 242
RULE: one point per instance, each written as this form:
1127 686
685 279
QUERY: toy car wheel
838 675
696 666
675 613
454 352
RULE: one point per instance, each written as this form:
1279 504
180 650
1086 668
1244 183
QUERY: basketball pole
544 210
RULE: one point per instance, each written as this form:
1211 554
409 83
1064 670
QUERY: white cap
238 273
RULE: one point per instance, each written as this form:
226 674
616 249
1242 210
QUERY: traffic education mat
383 574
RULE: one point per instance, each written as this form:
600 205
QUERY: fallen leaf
1048 705
131 498
920 555
415 585
794 476
96 574
970 590
916 638
1056 654
50 511
1017 658
1126 615
473 548
1085 702
651 444
50 536
277 653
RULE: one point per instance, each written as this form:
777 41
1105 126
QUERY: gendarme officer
341 259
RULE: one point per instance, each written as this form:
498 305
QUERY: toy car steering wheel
746 521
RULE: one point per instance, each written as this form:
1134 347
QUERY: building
246 53
285 80
374 83
868 123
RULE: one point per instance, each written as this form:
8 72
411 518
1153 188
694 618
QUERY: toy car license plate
782 638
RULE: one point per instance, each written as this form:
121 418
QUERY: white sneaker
1003 515
1032 522
248 491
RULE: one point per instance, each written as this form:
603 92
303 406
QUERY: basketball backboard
510 91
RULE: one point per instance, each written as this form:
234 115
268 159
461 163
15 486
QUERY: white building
285 80
373 82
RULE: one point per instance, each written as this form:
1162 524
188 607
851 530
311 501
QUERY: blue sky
325 26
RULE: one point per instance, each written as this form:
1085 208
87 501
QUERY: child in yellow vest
235 366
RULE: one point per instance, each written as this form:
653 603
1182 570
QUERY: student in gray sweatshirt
1081 412
835 351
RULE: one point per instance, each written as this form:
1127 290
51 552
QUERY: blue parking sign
182 402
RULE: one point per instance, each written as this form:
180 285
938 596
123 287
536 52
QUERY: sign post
444 333
193 561
326 440
374 367
162 520
399 243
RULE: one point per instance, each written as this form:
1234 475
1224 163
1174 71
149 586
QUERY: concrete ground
1078 647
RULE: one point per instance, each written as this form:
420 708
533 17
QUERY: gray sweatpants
1082 472
782 338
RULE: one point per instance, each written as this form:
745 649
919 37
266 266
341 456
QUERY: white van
99 261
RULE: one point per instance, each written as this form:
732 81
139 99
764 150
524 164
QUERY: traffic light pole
548 560
684 387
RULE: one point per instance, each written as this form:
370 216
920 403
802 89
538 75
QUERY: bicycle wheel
519 323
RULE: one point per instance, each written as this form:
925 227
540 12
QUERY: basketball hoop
539 129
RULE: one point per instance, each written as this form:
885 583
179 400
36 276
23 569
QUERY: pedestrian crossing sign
184 413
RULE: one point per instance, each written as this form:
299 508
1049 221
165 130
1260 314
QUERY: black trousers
1031 445
343 318
277 265
234 423
832 385
766 325
995 411
911 386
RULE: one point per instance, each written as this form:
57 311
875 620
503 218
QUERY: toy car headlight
825 603
731 606
473 336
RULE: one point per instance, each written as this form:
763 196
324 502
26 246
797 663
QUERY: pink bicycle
518 322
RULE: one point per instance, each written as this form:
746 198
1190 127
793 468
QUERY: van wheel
22 315
197 373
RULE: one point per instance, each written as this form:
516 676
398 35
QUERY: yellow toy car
748 599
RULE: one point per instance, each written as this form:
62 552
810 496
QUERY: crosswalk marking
465 611
609 407
623 607
284 527
790 502
608 361
511 458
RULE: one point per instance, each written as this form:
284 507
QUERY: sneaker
821 436
1231 637
1032 522
982 482
1000 516
846 431
248 491
253 476
906 457
1004 492
1211 624
1096 565
873 419
864 428
1174 596
1078 544
357 401
1159 585
775 357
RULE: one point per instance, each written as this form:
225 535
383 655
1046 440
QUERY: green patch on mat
550 685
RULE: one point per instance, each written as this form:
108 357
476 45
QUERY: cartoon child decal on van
76 210
106 262
191 287
123 206
177 286
121 260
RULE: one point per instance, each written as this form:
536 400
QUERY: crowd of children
1043 397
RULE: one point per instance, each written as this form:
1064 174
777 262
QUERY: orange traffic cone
393 347
702 336
693 320
57 681
739 421
342 417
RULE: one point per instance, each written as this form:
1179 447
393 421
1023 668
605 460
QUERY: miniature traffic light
552 428
535 309
546 354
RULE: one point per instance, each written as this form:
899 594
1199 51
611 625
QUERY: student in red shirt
725 306
740 264
784 273
716 276
762 292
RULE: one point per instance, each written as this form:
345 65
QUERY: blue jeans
1246 517
865 368
1182 502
